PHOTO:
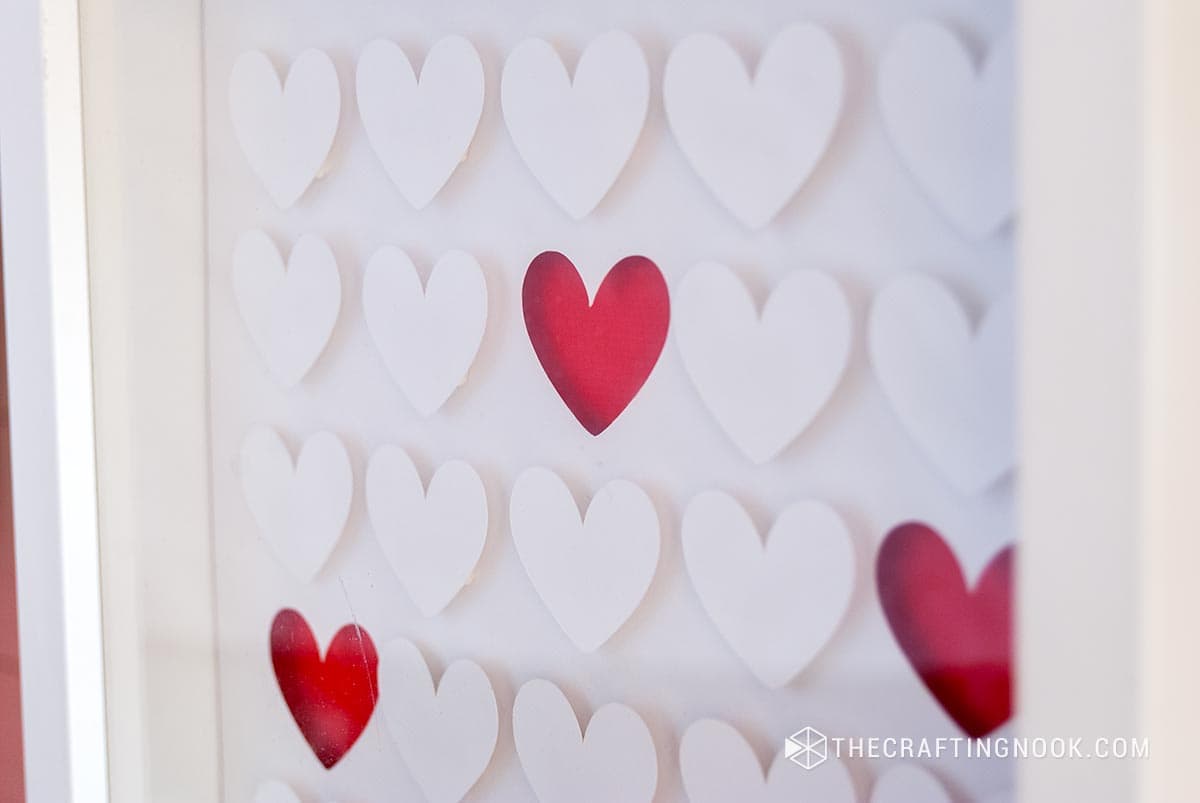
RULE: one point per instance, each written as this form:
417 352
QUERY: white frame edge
144 136
50 386
1110 142
1170 654
1081 362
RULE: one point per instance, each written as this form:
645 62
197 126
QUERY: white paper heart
300 509
755 142
285 132
428 336
431 539
445 736
576 135
909 783
592 574
718 766
952 125
275 792
420 128
778 603
951 389
763 379
615 761
290 312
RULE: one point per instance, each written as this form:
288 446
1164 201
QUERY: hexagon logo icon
807 748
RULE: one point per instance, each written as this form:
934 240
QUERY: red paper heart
596 355
958 640
331 699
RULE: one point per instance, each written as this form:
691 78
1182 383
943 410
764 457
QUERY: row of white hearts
763 377
591 571
447 738
753 141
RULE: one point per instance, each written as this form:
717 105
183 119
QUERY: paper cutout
431 539
300 509
754 142
958 640
909 783
285 132
598 354
951 389
420 128
718 766
951 124
576 135
428 336
290 312
447 736
614 761
592 574
776 603
330 698
763 378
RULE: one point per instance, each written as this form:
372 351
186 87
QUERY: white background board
860 218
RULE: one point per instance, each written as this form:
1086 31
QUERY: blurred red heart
958 640
596 355
331 699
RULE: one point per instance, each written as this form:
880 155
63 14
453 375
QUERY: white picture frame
1110 168
50 403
